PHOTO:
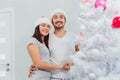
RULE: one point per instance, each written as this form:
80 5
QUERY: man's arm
32 68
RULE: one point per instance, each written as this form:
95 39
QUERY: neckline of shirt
61 37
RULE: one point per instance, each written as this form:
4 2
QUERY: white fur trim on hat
42 20
58 11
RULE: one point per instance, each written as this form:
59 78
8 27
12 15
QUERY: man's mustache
58 22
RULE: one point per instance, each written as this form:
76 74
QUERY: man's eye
61 17
55 17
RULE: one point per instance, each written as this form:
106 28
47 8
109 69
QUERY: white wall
26 11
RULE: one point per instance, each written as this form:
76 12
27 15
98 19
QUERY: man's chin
59 27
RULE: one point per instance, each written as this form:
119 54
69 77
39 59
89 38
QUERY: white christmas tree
99 56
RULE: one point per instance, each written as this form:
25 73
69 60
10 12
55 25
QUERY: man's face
58 20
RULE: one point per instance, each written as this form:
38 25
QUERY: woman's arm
35 55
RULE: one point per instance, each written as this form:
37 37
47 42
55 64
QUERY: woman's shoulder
33 40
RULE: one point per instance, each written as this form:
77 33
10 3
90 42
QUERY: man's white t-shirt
61 49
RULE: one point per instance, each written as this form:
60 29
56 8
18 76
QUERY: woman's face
44 29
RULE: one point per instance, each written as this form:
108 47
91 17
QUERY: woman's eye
43 25
48 26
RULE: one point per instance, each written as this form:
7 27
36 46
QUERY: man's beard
60 27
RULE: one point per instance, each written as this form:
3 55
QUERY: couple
51 52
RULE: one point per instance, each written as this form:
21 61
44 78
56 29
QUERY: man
62 45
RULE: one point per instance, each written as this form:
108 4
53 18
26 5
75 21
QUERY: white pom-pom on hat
58 11
41 20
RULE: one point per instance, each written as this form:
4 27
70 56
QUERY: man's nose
59 19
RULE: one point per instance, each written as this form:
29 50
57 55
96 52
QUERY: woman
38 50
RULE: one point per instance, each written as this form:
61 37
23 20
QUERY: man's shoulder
51 34
71 34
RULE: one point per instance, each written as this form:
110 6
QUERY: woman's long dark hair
37 35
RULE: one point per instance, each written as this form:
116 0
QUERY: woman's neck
42 37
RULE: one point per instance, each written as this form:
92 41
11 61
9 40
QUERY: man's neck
60 33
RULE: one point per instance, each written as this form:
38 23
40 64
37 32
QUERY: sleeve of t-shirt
32 41
76 40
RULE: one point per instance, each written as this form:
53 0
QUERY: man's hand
77 47
32 70
67 65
